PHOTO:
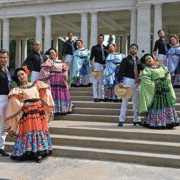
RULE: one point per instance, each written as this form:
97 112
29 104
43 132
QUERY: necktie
73 47
103 55
41 59
9 80
135 69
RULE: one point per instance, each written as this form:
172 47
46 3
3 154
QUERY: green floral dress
157 98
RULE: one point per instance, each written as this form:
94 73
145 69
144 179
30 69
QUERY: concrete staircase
92 132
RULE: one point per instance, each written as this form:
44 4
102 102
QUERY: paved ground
55 168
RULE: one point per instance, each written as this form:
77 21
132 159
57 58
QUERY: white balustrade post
144 29
94 28
133 36
84 29
47 33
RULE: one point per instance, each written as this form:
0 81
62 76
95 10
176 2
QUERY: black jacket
4 89
127 68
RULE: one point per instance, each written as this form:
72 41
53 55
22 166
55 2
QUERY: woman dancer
29 110
113 61
173 61
81 74
157 97
55 73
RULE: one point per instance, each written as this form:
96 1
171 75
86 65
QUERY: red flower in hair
176 37
26 70
80 40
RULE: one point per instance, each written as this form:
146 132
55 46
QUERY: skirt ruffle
162 112
32 144
60 94
84 78
34 137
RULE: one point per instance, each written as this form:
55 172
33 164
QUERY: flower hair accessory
26 70
176 37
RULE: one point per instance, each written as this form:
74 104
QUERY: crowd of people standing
26 110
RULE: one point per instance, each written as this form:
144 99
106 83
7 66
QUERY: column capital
47 16
38 16
5 19
143 5
93 12
158 4
133 10
84 13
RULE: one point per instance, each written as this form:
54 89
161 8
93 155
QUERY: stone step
91 89
113 155
109 105
111 130
92 104
81 89
90 98
113 143
82 98
104 111
81 93
93 118
90 93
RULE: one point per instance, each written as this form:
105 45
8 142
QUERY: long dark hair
15 78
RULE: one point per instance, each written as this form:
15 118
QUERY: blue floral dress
81 74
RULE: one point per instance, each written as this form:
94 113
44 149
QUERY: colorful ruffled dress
28 112
55 73
111 75
173 65
157 100
81 72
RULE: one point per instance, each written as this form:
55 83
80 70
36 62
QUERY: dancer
55 73
68 50
128 76
29 110
6 84
113 61
37 58
162 46
157 98
81 74
98 52
174 60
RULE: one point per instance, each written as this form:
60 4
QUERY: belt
31 100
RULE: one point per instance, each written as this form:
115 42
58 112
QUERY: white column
0 33
157 20
133 35
55 43
84 29
39 29
94 28
47 33
117 40
18 54
6 34
144 29
24 50
124 44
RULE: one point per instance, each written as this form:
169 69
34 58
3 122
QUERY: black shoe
140 123
101 100
176 124
96 100
39 160
106 100
4 153
120 124
115 100
145 125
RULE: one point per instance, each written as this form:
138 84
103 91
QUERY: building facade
47 19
